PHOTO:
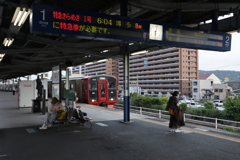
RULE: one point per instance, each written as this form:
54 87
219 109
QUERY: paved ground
145 139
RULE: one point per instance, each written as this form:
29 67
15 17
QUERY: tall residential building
108 66
156 73
163 71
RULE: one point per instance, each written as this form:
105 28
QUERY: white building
210 76
209 86
202 89
221 91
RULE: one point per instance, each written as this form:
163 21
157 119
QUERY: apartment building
106 66
155 73
163 71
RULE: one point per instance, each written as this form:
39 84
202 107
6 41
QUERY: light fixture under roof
139 52
20 16
1 56
8 41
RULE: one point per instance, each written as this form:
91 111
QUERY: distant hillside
221 74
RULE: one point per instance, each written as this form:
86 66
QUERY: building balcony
150 58
154 71
145 69
157 86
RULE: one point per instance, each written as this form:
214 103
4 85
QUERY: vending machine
28 92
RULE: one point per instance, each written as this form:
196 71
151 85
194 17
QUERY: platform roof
35 53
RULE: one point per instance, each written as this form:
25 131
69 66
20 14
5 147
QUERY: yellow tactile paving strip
165 124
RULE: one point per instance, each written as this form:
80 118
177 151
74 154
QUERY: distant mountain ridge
222 74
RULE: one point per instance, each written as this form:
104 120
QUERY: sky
214 60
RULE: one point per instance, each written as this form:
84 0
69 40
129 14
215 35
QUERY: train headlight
93 100
111 99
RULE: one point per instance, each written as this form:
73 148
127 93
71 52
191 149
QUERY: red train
96 90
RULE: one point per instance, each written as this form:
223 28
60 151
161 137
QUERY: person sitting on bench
52 113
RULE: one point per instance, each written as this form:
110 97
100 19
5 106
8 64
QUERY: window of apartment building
195 83
227 90
215 90
195 90
216 97
220 90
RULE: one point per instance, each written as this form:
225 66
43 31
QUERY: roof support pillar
177 15
124 51
215 20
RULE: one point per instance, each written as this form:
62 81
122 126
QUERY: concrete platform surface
145 138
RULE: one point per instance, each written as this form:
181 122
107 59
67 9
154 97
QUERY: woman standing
176 117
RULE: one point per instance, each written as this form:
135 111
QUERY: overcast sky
212 60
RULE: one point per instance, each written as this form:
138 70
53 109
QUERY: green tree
232 107
163 100
209 105
183 106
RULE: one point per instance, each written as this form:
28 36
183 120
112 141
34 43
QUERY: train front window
112 85
93 86
102 90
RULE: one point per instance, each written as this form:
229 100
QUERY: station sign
59 20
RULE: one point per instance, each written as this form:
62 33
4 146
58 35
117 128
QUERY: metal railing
201 120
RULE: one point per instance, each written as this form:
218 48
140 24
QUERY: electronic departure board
195 38
59 20
52 19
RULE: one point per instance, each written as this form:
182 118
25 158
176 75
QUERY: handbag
171 111
61 114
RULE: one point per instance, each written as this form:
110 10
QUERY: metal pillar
123 12
60 83
215 20
67 79
44 102
126 86
177 15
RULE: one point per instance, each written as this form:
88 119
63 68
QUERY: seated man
77 116
78 108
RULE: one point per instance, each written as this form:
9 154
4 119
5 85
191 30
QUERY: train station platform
146 138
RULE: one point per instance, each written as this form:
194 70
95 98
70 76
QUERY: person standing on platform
14 90
176 117
75 100
52 113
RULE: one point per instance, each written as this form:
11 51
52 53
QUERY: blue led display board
59 20
195 38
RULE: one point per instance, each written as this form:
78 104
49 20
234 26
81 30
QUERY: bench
82 119
73 117
66 120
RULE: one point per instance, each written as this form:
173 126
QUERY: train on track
95 90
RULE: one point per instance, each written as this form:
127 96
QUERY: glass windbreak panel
102 90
